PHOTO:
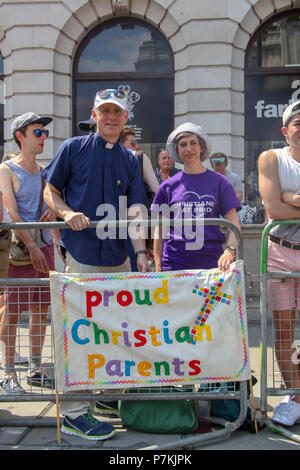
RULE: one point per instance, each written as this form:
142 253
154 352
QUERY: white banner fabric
123 330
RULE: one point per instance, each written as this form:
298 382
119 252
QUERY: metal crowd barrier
233 391
272 383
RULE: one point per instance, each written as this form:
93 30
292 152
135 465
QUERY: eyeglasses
39 132
133 143
218 160
105 94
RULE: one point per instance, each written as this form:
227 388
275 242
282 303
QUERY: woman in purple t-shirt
196 192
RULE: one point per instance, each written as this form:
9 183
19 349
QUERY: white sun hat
189 128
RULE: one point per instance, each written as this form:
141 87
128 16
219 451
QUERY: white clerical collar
109 146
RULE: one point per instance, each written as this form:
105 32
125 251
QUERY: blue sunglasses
39 132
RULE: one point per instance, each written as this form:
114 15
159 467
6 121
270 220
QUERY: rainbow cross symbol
211 295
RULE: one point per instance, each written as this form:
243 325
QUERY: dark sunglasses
39 132
218 160
92 129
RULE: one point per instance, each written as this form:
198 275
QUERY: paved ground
45 436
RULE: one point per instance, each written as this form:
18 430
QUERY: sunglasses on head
39 132
218 160
105 94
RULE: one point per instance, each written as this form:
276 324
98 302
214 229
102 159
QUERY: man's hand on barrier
142 263
77 220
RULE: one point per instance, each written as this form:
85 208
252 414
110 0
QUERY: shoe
286 400
87 427
10 385
20 359
40 378
106 408
17 359
286 413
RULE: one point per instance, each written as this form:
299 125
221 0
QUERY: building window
131 54
1 107
272 82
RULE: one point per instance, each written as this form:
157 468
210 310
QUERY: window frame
106 76
290 70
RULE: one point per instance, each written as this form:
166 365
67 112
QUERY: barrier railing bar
144 223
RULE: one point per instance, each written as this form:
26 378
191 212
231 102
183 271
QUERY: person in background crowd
9 156
88 126
165 167
279 186
88 172
127 138
219 164
21 183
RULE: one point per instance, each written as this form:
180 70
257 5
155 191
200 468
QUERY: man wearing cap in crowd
21 184
279 186
87 172
88 126
219 163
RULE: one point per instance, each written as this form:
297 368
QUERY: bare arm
239 195
291 198
137 237
228 256
37 257
76 220
269 188
149 175
1 207
158 244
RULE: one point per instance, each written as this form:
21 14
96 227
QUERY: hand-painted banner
123 330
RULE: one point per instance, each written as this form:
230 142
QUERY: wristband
141 252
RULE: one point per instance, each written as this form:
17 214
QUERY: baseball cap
190 128
29 118
118 97
85 125
289 112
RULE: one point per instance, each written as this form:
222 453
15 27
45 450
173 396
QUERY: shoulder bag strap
41 206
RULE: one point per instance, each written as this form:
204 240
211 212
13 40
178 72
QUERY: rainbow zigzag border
157 381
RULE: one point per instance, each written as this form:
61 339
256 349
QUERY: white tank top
289 178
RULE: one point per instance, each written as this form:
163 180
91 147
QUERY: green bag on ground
159 416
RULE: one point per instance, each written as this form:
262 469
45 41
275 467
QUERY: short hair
9 156
125 132
218 155
23 131
162 150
